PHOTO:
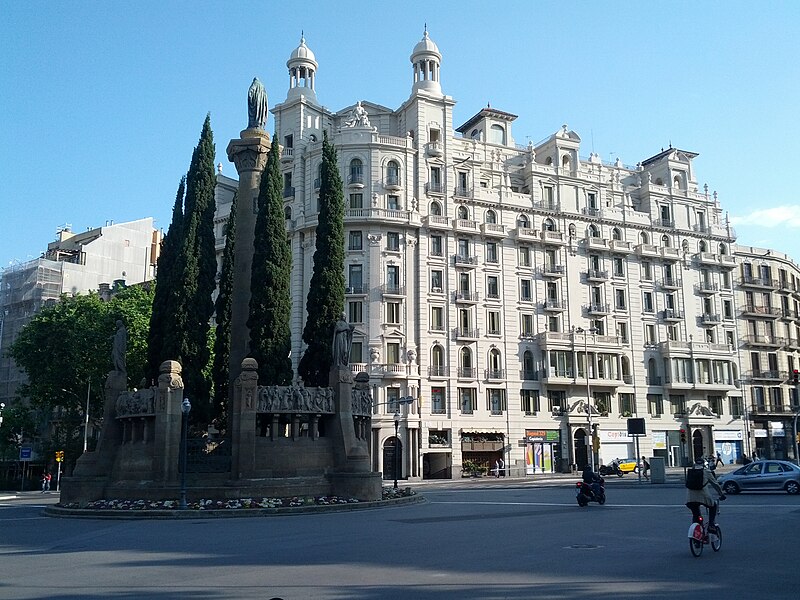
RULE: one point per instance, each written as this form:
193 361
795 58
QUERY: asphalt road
469 540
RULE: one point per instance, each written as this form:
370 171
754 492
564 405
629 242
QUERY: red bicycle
701 534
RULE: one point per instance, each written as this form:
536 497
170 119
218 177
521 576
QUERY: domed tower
302 72
426 59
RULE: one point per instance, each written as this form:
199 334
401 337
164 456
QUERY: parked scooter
595 492
612 469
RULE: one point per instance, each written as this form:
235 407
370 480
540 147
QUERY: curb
89 513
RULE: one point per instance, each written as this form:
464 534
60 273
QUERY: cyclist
708 495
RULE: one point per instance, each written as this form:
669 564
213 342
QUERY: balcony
460 260
596 275
494 374
393 369
434 188
554 306
670 283
438 371
434 148
773 376
653 381
647 250
465 333
288 192
390 289
706 288
598 309
770 408
356 290
465 296
392 182
765 341
553 271
529 375
669 223
553 375
528 234
723 260
467 373
465 225
710 319
355 180
493 230
758 282
552 238
620 246
287 154
591 211
788 314
596 243
761 311
670 314
670 254
437 222
550 205
463 191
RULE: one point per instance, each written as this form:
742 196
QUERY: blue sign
25 453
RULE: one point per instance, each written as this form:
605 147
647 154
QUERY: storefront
728 444
542 451
615 444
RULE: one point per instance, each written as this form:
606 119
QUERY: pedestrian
645 468
719 460
48 478
501 468
497 468
44 482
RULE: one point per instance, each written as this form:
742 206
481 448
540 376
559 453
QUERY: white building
480 274
75 263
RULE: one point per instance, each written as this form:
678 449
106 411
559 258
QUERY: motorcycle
611 469
586 494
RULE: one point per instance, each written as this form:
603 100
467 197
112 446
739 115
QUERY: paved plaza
470 539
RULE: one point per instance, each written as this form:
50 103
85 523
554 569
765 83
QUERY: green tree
270 294
326 293
162 341
222 308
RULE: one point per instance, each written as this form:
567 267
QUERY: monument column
249 154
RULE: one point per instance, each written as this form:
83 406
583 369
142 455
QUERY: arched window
392 172
565 161
659 181
626 367
616 234
665 241
475 134
287 212
491 216
702 246
644 237
495 359
723 249
437 361
528 369
676 182
549 161
652 372
594 231
436 209
548 225
463 213
497 134
523 222
465 362
356 171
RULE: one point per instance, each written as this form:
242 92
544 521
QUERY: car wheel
730 488
792 487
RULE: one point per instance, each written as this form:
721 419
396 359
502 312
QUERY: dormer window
497 134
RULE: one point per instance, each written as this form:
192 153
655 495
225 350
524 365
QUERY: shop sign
760 433
542 435
728 436
614 436
659 440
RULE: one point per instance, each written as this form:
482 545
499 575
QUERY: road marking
614 505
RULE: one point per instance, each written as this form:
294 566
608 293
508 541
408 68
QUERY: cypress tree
270 294
326 292
198 261
222 309
161 339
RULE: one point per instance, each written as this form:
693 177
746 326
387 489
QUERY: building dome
426 46
302 54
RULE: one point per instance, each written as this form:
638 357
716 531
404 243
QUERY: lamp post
2 406
396 443
186 407
85 413
586 333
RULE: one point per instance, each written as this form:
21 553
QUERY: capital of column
249 153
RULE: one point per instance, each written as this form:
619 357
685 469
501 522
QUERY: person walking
719 460
645 468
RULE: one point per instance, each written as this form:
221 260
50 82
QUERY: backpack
694 479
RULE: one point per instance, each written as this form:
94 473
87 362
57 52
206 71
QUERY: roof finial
425 34
302 37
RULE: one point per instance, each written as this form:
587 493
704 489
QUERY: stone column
243 421
167 423
249 154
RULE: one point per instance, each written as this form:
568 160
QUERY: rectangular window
355 312
393 241
463 248
549 197
715 404
437 401
672 333
677 405
649 334
392 400
622 332
355 241
727 310
655 404
492 287
619 267
356 356
647 302
647 270
436 246
491 252
556 401
737 407
393 202
495 401
619 299
437 318
437 286
524 256
526 325
529 401
392 353
626 405
468 398
560 363
356 201
525 293
553 323
493 322
393 278
436 179
355 274
288 141
393 312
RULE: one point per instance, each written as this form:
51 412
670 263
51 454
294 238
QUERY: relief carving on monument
136 404
294 399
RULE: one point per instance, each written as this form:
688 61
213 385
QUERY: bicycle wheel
696 546
715 539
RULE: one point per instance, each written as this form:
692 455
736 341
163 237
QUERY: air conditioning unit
436 290
349 290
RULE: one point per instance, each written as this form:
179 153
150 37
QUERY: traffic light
683 436
59 455
795 377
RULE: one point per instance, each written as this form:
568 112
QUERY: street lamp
86 413
586 333
2 406
396 443
186 407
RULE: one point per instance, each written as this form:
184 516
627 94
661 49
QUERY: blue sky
101 103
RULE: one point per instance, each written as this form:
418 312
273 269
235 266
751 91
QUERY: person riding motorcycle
591 478
710 494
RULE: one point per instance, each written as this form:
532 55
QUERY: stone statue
119 347
342 341
256 105
358 117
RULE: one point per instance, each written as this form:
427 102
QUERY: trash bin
658 473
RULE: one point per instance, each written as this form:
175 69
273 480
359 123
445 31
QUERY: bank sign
542 435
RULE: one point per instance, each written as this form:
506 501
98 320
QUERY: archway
392 463
698 450
581 449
